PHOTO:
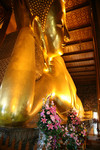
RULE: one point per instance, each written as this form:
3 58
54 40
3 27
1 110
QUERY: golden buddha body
36 68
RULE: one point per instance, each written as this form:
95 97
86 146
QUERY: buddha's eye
59 25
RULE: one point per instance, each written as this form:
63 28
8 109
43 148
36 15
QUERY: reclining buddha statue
36 68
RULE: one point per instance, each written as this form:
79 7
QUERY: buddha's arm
17 92
58 82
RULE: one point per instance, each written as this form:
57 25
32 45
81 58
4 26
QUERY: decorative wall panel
88 96
78 17
3 66
72 3
7 46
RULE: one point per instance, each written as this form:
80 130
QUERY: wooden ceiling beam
88 75
79 27
85 82
78 47
80 71
78 52
92 77
79 60
84 75
86 68
80 78
81 63
78 41
89 65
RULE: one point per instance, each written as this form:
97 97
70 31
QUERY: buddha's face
55 28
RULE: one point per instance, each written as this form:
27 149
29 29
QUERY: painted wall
88 96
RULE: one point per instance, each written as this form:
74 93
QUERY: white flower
49 122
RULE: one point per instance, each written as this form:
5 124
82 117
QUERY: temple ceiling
79 52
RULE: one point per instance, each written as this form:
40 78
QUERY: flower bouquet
49 124
56 136
76 131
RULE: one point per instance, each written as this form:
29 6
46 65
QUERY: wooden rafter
80 27
78 41
78 52
79 60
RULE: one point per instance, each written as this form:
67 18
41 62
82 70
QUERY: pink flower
71 135
62 129
44 116
83 132
52 118
78 143
76 123
66 133
50 137
48 112
48 144
44 120
57 118
58 124
55 126
50 126
47 107
75 113
52 103
75 138
53 110
71 116
73 122
42 113
66 129
77 118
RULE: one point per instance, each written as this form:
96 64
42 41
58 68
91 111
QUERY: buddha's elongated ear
36 28
39 35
